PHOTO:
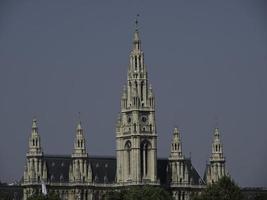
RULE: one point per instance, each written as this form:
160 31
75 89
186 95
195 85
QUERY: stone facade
136 136
216 167
85 177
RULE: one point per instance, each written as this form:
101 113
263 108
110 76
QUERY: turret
176 146
79 143
216 167
78 169
34 141
34 169
178 173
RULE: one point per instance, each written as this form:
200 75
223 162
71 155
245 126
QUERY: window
128 147
145 151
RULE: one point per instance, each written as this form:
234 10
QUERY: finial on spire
216 132
79 125
176 131
136 22
34 123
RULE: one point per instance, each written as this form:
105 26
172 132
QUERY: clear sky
207 62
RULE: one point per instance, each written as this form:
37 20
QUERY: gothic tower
80 169
136 137
177 161
35 169
216 168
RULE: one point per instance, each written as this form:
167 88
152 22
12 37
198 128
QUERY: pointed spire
216 134
176 132
176 146
34 140
79 142
136 38
216 167
34 124
136 34
79 128
217 148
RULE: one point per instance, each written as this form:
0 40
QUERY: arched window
142 88
128 147
145 150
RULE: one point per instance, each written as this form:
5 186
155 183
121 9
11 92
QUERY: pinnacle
79 126
34 123
175 131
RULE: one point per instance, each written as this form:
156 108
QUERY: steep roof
104 169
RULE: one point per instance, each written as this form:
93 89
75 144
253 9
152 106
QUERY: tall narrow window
139 59
145 151
135 62
129 161
142 88
128 156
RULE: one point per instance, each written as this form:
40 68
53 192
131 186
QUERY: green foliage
261 196
224 189
4 195
50 196
140 193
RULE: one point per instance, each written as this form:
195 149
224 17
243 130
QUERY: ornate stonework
85 177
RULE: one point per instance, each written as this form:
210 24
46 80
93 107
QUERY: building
85 177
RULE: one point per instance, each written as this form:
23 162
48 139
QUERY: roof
104 169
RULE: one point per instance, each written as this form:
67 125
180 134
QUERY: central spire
136 126
137 93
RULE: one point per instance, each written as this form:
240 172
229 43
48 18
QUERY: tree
224 189
140 193
261 197
50 196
